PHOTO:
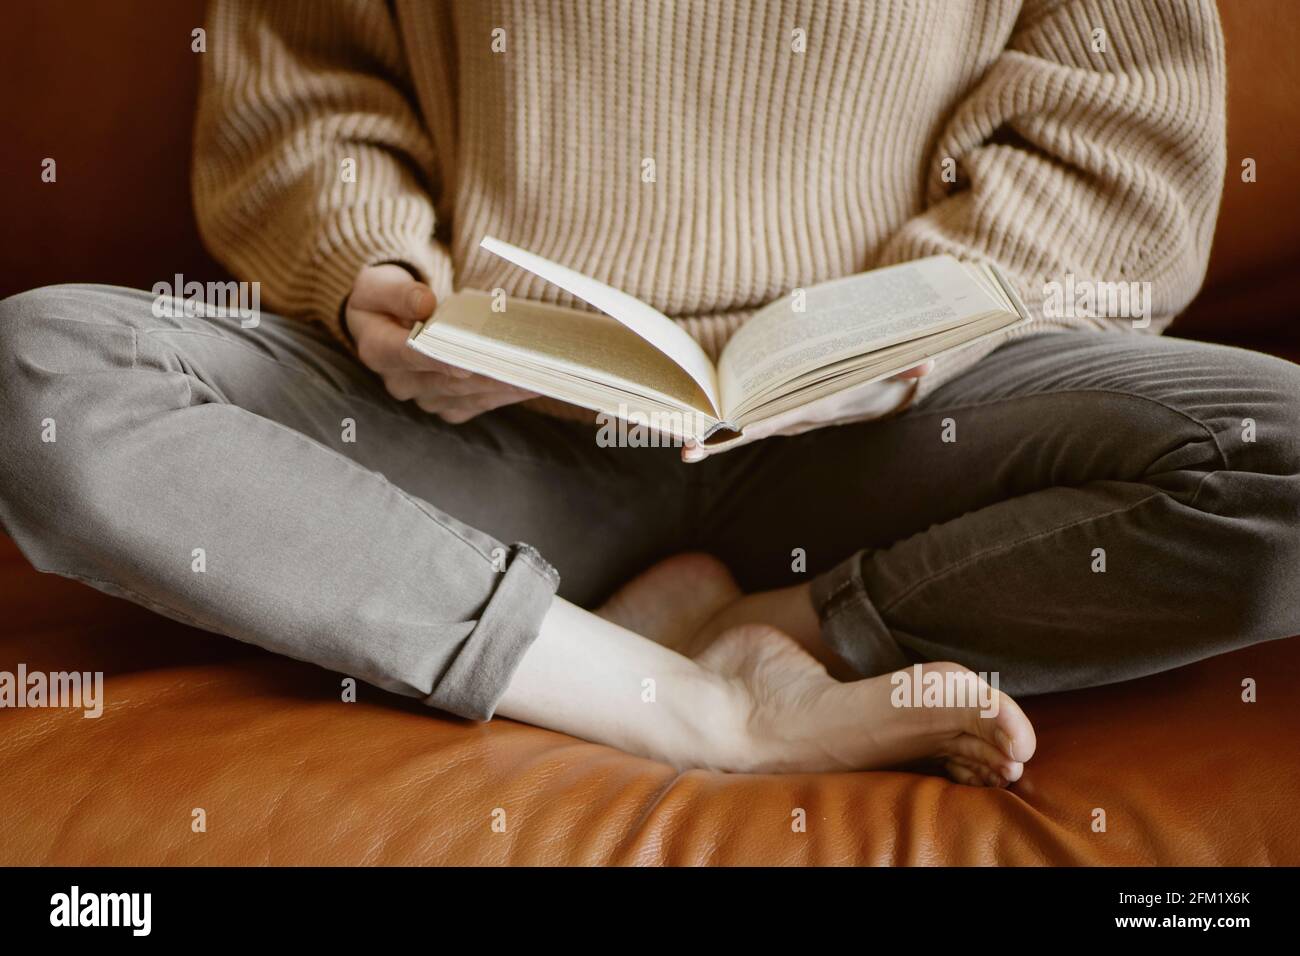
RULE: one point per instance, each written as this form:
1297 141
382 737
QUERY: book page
881 364
846 318
649 323
587 345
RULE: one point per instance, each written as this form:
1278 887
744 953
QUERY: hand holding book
777 373
385 302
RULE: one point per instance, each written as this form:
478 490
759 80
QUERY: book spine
1011 292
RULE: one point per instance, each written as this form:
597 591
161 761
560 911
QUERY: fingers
413 385
390 290
381 346
693 451
379 339
925 368
459 411
453 400
385 303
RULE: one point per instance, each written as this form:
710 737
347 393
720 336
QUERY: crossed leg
1078 509
258 483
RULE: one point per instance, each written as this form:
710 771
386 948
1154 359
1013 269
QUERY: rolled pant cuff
481 672
851 625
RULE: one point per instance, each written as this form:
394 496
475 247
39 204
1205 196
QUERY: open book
634 362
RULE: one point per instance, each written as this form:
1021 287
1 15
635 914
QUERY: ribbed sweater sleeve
310 161
1102 163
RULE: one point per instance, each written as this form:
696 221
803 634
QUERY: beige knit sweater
708 156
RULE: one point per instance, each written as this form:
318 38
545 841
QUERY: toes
973 774
962 774
1003 724
973 706
978 751
1012 732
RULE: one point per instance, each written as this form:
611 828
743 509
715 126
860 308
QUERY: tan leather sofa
285 773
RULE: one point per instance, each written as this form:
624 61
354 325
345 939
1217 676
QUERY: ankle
713 731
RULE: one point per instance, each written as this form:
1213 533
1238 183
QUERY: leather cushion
289 774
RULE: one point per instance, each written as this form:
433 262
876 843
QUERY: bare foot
789 610
685 602
800 719
671 602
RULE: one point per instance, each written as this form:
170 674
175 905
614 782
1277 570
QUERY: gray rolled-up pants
1080 508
